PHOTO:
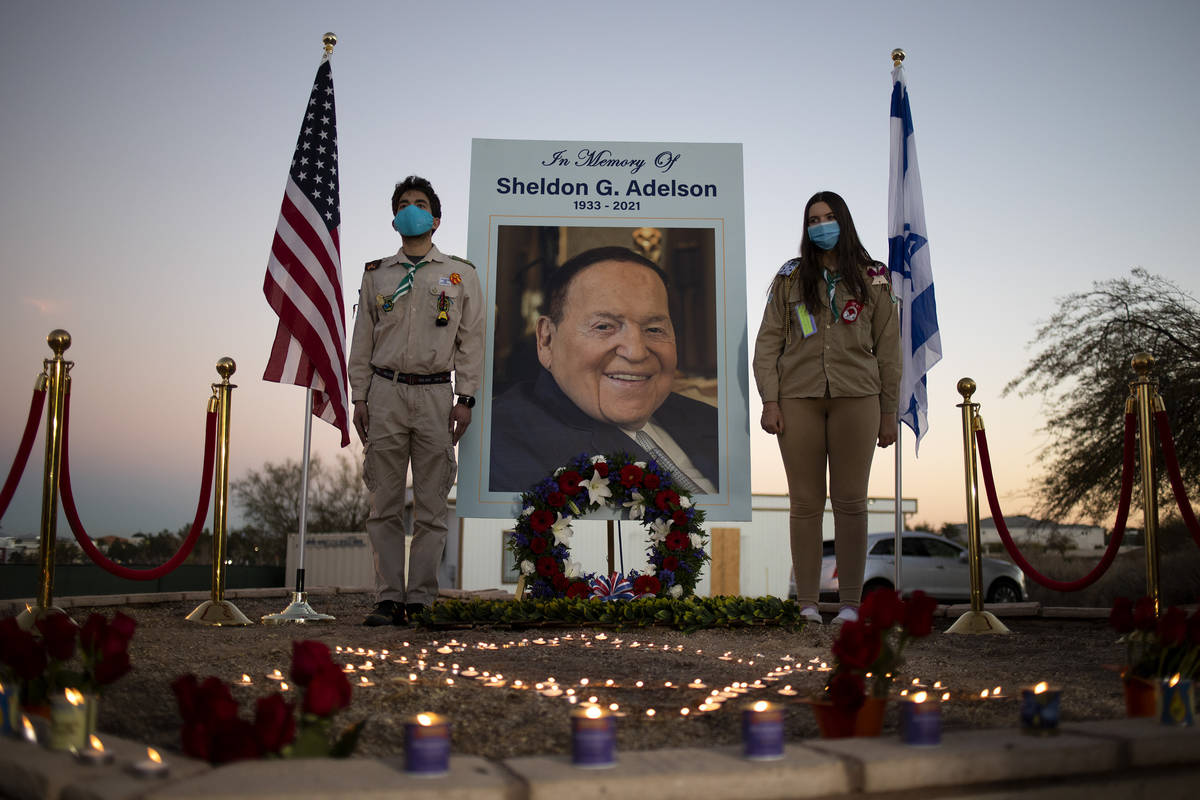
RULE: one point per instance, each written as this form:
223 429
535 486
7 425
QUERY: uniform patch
851 311
878 275
444 281
455 278
788 267
373 264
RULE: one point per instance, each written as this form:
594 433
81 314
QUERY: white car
931 563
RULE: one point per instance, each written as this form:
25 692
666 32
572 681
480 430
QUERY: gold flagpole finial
329 40
897 57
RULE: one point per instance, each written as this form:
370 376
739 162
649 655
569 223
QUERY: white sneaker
810 614
847 614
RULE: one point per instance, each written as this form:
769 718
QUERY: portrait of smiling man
607 353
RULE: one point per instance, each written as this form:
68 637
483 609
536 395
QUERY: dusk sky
144 148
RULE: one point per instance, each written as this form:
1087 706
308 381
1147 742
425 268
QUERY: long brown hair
849 253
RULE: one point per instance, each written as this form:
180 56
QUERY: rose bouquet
867 653
43 660
1157 646
213 729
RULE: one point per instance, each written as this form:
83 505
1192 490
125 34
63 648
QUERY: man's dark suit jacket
536 428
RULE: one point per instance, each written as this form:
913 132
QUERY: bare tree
270 497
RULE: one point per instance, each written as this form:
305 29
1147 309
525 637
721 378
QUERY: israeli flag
908 261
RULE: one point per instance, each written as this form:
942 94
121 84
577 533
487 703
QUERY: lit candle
762 731
152 766
1039 709
94 753
245 681
1177 701
427 745
28 732
593 738
68 721
10 709
921 720
275 675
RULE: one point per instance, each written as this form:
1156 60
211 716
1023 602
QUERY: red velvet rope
1172 461
19 460
85 541
1114 543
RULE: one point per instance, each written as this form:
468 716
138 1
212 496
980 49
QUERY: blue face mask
412 221
825 235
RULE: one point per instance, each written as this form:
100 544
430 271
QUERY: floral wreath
542 538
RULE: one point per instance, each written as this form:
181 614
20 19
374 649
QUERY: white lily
659 529
684 502
640 464
636 505
598 460
528 510
597 489
527 567
675 591
562 530
571 568
697 540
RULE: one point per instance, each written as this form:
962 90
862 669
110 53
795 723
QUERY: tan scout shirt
408 338
855 359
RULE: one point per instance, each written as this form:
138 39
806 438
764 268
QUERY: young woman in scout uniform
827 365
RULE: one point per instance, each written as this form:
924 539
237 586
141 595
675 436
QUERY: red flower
92 633
601 469
274 723
541 521
883 607
1121 617
556 499
665 499
651 481
209 702
568 482
1144 617
21 650
547 566
327 692
307 658
846 690
918 614
58 633
678 540
578 589
1172 627
196 740
680 518
631 475
538 544
670 563
111 667
1193 628
858 645
560 582
647 584
236 741
122 626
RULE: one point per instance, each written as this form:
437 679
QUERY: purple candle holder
427 745
593 738
762 731
921 720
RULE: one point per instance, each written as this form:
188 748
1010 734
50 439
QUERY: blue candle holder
1039 709
1178 702
10 709
427 745
921 720
593 738
762 731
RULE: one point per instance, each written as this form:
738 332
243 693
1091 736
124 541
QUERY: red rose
578 589
538 544
214 701
1193 628
678 540
92 632
858 644
651 481
274 722
665 499
883 607
186 689
560 582
327 692
1121 617
1143 615
541 521
631 475
111 667
556 499
670 563
547 566
846 690
196 740
568 482
1172 627
600 468
918 614
122 626
236 741
22 651
647 584
58 634
680 518
307 658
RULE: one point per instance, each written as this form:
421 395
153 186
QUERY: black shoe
386 612
414 610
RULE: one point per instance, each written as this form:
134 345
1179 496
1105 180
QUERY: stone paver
1146 742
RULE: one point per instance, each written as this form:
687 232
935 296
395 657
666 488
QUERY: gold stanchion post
218 610
976 620
1145 391
55 373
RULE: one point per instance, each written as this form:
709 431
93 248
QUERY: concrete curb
1131 758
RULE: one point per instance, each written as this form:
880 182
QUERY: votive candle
1039 709
68 721
762 731
593 738
427 745
921 720
1177 701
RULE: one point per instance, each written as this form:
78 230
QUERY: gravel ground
516 720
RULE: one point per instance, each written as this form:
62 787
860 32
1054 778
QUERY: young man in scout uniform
420 317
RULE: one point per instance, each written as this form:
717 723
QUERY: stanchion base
297 611
30 616
218 612
978 622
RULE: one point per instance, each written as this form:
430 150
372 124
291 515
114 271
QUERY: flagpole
898 546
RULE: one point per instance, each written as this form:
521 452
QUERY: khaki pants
408 424
841 432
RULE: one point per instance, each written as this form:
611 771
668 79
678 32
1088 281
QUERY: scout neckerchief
405 285
831 282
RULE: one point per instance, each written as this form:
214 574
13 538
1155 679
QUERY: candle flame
650 712
945 697
73 696
245 678
153 755
283 687
996 691
1174 679
920 697
761 705
593 712
1041 687
984 694
97 745
424 720
30 733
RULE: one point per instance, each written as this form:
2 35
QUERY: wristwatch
466 400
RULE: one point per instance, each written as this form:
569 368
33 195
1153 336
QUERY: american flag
304 273
908 260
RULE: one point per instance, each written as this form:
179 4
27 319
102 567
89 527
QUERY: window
941 549
509 571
